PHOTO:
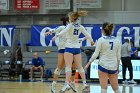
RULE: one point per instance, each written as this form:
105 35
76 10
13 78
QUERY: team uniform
109 50
72 32
62 39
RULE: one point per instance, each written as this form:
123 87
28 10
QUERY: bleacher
50 59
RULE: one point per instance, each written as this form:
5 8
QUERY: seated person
37 64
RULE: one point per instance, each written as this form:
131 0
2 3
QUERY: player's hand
53 39
92 43
86 67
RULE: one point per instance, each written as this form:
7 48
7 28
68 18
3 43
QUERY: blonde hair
75 15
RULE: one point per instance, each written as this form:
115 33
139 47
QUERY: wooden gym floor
44 87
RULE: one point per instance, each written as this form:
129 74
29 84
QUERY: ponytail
75 15
107 27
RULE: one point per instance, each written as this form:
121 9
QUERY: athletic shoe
72 86
132 82
41 79
65 88
124 82
86 88
53 88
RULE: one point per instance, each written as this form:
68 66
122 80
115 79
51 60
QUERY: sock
54 82
103 90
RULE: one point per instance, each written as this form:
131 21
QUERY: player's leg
113 78
73 71
60 65
78 62
68 56
103 78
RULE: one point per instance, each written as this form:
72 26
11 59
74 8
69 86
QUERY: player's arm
87 35
68 27
56 30
95 54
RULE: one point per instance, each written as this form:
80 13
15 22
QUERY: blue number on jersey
111 48
75 32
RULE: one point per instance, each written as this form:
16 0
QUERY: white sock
117 91
103 90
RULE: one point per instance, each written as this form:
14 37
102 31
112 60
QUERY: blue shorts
74 51
106 71
61 51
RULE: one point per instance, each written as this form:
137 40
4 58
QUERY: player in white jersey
61 50
72 50
108 49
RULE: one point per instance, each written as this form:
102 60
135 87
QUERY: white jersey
109 50
72 32
62 39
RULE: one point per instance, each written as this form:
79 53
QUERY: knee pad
103 90
67 69
81 70
73 72
117 91
57 71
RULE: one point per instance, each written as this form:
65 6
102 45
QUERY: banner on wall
26 4
6 35
88 3
56 4
135 64
38 38
130 31
4 4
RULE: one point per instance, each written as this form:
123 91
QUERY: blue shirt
37 62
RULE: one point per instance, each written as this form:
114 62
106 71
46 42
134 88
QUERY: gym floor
44 87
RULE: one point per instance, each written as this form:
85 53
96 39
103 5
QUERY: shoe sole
87 89
72 88
52 90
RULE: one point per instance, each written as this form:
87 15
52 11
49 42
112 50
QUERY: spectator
37 64
126 61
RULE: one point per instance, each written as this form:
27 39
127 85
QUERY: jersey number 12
111 43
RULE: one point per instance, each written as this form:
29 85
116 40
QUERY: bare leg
60 66
113 78
68 61
103 78
77 60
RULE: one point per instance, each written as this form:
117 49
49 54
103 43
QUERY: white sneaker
65 88
86 88
41 79
72 86
132 82
53 88
124 82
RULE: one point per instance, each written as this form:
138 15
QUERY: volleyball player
108 49
72 50
61 50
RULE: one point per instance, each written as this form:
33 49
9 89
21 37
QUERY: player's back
109 51
73 35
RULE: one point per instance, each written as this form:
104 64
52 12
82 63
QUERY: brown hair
74 15
107 28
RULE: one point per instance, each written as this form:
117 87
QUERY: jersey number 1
111 48
75 32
